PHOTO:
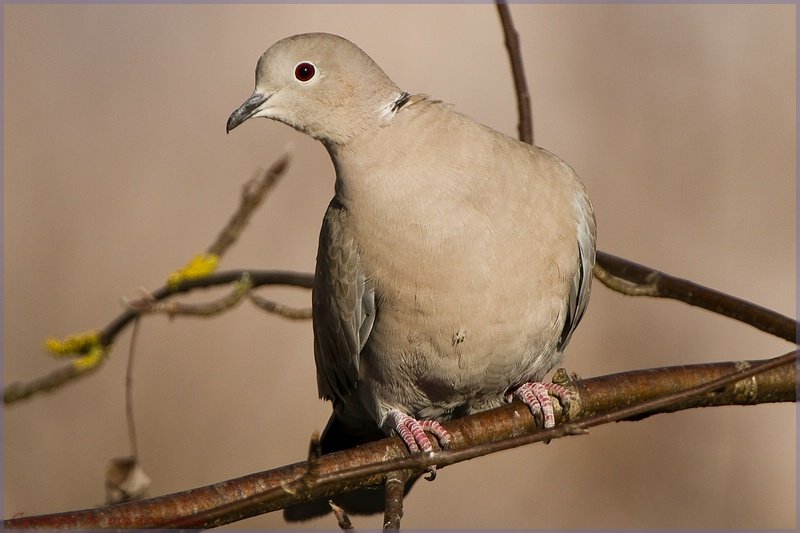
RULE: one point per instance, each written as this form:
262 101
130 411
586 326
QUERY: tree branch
626 396
19 391
634 279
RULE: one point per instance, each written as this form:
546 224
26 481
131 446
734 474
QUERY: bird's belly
459 356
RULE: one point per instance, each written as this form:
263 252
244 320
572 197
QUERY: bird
454 262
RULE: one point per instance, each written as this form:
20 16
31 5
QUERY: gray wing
581 286
343 307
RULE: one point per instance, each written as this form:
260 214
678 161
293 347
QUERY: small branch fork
18 391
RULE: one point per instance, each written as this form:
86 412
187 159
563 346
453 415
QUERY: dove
454 261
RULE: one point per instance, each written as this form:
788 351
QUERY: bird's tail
340 435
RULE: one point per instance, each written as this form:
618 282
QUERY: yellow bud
200 266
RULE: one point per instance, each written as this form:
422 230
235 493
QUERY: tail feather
339 436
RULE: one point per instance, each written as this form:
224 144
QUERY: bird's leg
536 396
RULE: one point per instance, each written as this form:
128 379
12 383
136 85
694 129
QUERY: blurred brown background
680 120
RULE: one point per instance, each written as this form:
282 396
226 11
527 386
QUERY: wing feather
343 307
581 286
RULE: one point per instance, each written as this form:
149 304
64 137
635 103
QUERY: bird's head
320 84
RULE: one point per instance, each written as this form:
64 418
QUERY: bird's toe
412 431
536 396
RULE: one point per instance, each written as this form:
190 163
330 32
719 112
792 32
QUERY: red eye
304 71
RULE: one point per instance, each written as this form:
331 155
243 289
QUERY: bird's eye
304 71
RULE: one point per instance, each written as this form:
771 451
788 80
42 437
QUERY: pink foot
412 431
537 397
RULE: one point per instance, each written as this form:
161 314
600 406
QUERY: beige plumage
454 262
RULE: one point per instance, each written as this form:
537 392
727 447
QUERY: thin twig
395 486
18 391
258 278
151 305
277 308
341 516
253 194
129 414
503 428
525 124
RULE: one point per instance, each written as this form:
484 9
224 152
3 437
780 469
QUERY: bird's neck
392 162
352 126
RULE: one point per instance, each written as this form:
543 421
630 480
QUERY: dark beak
246 110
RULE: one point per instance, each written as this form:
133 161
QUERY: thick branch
599 400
